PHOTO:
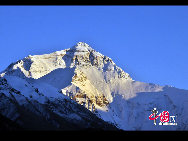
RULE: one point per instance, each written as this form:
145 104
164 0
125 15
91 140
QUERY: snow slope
30 109
94 81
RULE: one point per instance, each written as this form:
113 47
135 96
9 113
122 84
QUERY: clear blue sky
148 42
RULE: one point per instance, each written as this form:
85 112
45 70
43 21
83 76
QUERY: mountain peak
84 76
81 55
81 47
82 44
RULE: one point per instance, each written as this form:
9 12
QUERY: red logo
164 117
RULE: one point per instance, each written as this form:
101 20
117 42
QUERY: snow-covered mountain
64 82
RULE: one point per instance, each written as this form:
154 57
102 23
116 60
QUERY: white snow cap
82 44
82 47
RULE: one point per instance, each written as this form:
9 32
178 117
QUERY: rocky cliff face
93 80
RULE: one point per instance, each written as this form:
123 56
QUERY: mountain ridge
93 80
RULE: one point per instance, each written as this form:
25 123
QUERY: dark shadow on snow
59 78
